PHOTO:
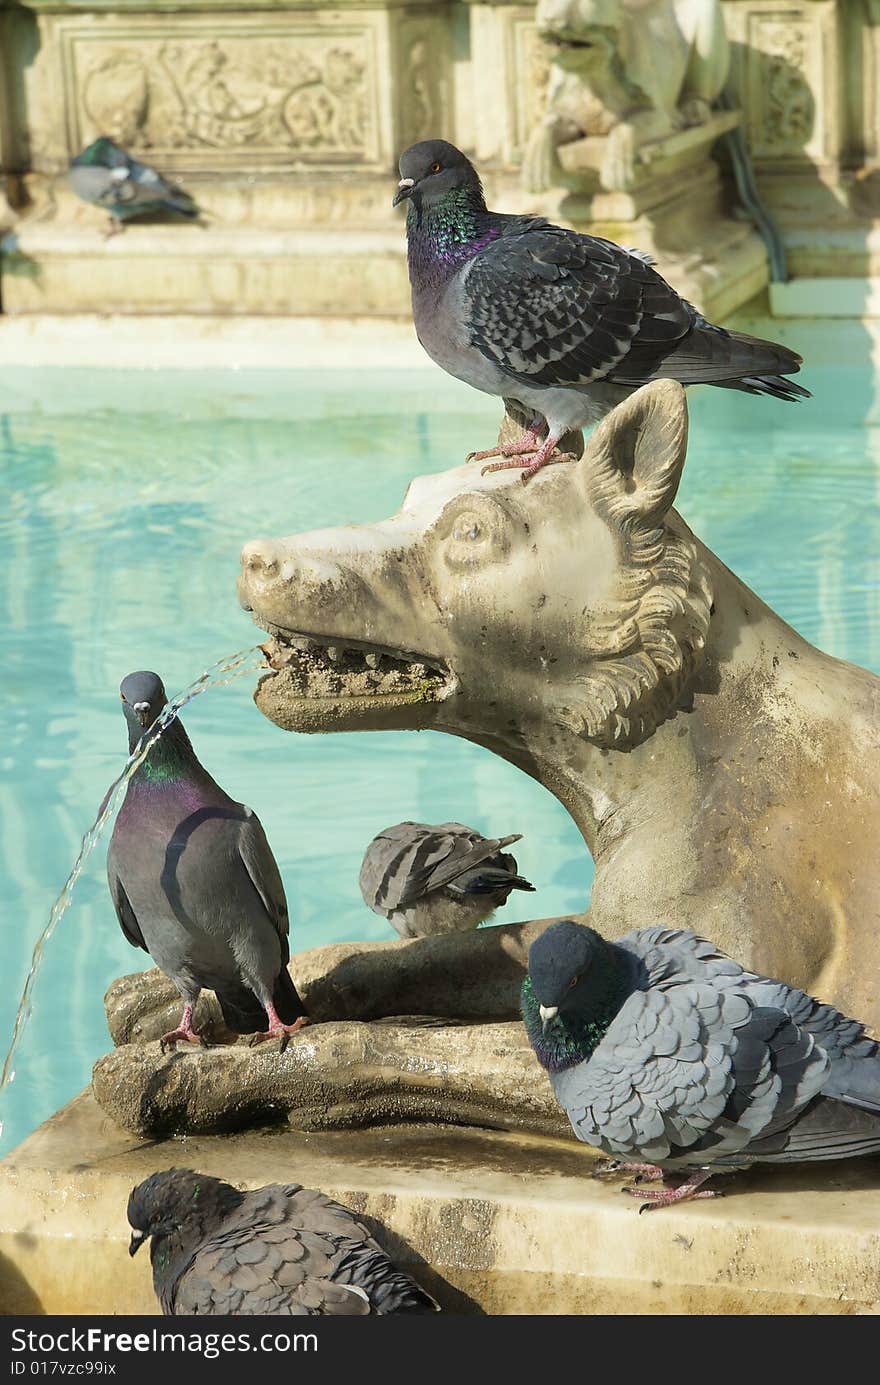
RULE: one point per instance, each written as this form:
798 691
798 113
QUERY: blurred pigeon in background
442 879
668 1055
566 325
108 177
195 883
281 1250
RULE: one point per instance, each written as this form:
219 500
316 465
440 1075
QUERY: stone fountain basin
490 1221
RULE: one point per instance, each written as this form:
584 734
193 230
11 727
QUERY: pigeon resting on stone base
195 884
281 1250
673 1059
565 324
437 879
107 176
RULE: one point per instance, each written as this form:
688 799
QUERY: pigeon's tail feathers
777 385
488 879
179 201
388 1289
709 355
242 1012
286 998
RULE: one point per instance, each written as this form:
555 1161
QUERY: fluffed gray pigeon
107 176
195 883
281 1250
669 1056
437 879
565 325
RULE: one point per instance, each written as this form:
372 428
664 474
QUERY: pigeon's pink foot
546 455
645 1173
184 1034
691 1190
528 443
278 1029
115 228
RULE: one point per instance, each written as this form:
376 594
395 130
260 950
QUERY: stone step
489 1222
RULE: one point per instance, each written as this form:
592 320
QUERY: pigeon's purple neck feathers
443 235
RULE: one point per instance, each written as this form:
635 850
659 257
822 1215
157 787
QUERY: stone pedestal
488 1222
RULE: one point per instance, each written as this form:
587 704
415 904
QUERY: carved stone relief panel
216 92
786 62
422 80
510 63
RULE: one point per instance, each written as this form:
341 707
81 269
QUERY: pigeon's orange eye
435 168
573 982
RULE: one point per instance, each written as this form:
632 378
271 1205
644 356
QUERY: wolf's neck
641 810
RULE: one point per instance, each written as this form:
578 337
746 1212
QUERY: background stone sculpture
629 71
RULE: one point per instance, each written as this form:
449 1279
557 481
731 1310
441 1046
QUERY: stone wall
285 121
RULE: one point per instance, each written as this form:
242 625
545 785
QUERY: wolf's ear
634 458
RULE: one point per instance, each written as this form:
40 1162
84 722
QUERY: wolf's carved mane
645 653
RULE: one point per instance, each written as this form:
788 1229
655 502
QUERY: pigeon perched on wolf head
565 325
107 176
672 1058
282 1250
437 879
195 884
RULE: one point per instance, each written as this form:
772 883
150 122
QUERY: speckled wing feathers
690 1068
555 308
411 859
286 1250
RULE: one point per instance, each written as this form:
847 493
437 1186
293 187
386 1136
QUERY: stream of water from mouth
224 671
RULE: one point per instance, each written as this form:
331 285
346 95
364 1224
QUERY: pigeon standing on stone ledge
443 879
672 1058
108 177
195 883
282 1250
566 325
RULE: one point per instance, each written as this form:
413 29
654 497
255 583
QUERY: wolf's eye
476 533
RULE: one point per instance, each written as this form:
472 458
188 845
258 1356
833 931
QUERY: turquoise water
128 496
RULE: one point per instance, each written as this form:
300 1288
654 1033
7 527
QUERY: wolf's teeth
373 660
335 653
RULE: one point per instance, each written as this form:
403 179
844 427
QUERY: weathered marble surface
489 1222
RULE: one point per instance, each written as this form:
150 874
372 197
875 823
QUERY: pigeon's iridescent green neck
169 759
572 1037
443 234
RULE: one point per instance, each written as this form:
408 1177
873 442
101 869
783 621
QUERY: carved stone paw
539 161
619 163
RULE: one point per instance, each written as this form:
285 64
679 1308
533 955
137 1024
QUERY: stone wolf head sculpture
484 607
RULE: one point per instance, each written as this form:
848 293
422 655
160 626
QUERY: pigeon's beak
548 1014
137 1240
404 190
142 712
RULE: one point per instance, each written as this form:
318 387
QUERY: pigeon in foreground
443 879
282 1250
671 1057
565 325
195 883
108 177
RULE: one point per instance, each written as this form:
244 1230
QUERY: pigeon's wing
261 866
688 1068
552 307
854 1075
411 859
275 1254
124 912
